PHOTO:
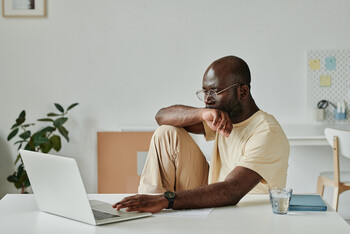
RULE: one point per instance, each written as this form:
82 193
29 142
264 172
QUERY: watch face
169 194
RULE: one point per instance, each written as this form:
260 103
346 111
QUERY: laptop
58 189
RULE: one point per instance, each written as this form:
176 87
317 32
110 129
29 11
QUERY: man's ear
244 91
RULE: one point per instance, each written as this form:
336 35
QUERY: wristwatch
170 196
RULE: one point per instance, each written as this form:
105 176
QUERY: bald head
231 67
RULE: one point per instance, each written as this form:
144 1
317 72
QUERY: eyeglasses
204 94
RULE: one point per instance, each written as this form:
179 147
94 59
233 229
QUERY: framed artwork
23 8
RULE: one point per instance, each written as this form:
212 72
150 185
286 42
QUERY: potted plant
42 140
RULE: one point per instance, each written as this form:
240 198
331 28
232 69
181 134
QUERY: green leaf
30 145
20 146
25 135
40 140
26 183
22 177
46 120
20 170
45 130
27 125
18 184
12 134
64 132
46 147
53 114
59 107
56 142
21 118
60 121
71 106
18 158
12 178
15 125
22 114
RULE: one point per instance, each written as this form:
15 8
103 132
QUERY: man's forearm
229 192
179 116
237 184
214 195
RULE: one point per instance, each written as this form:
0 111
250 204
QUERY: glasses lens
200 95
203 95
212 94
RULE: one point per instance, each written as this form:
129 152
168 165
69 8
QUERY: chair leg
320 186
335 198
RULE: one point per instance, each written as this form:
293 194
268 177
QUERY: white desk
19 214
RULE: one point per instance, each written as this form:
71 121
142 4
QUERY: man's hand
217 120
143 203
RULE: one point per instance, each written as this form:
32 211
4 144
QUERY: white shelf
309 134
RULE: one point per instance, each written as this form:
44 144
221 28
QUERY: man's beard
233 108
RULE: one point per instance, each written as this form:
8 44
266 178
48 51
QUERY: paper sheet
325 81
314 64
194 213
330 63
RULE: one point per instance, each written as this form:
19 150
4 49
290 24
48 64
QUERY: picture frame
24 8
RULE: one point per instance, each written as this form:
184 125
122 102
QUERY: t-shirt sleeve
267 154
208 133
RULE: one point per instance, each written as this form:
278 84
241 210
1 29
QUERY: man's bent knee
166 130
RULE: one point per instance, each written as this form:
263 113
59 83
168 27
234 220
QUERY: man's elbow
234 201
233 197
229 201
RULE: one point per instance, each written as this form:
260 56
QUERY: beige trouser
174 162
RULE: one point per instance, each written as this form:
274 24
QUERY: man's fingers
216 120
142 203
125 201
219 118
132 206
222 124
225 125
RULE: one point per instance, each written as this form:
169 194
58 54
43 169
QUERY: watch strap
171 203
170 196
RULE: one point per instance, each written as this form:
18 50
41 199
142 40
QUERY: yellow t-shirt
257 143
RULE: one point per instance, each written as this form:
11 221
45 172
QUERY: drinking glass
279 198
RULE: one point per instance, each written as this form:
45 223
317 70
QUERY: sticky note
314 64
330 63
325 81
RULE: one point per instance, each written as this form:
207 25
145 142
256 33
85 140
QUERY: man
250 151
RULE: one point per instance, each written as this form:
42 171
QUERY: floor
348 220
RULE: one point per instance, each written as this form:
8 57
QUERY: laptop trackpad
96 202
103 206
107 207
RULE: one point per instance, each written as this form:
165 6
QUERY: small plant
42 140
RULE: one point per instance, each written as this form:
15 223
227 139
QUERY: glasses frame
213 94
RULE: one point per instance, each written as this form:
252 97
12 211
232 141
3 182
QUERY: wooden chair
340 140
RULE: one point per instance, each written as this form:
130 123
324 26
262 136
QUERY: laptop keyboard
99 215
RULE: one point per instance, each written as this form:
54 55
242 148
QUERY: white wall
123 60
